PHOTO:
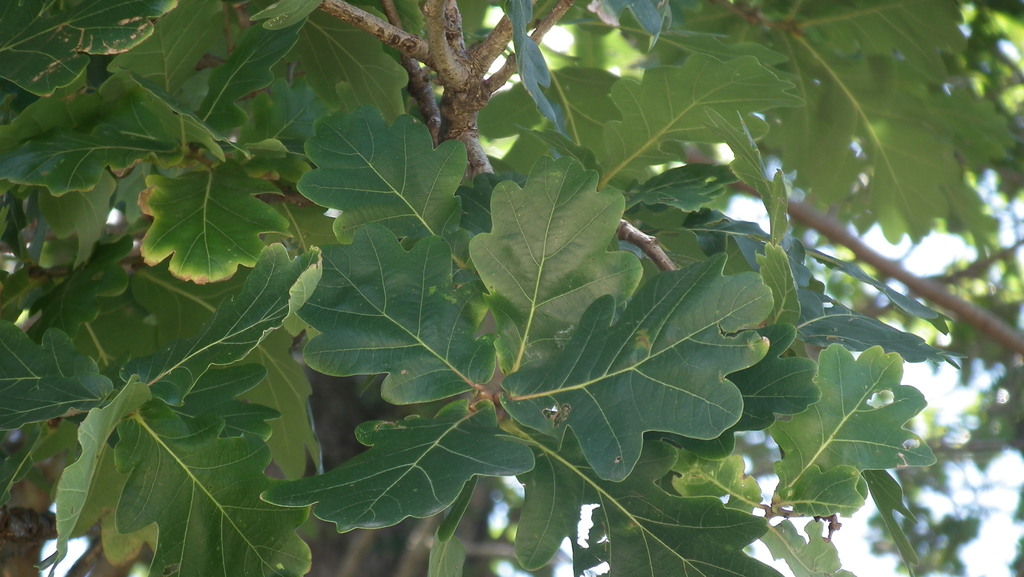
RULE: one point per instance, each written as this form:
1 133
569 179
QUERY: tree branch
488 50
647 243
408 44
961 310
499 78
447 52
419 81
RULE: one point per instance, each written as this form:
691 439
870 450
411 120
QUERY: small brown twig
419 85
646 243
408 44
499 78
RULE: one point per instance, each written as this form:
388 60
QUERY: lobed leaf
672 104
247 70
80 478
43 48
814 557
380 309
415 468
41 382
222 527
530 62
857 425
662 366
208 222
640 530
235 329
390 175
546 259
699 477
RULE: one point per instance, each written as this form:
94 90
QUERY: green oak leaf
814 557
777 273
857 425
17 465
530 62
699 477
662 366
583 96
687 188
447 556
168 58
235 329
43 48
41 382
77 481
651 14
80 213
284 13
349 68
64 160
74 302
546 257
672 104
248 69
649 532
749 166
824 321
167 456
208 220
286 390
919 31
779 384
391 175
216 394
284 112
380 309
888 497
415 468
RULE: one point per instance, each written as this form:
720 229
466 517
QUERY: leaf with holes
43 48
546 258
858 424
380 309
415 468
646 531
661 367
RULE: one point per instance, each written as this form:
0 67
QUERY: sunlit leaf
40 382
698 477
651 14
284 13
858 424
415 468
208 220
813 557
43 48
777 274
648 532
546 257
222 527
380 309
662 366
672 104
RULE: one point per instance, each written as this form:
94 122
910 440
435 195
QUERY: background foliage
498 256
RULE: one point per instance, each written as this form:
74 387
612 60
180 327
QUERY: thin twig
647 243
444 34
499 78
419 80
959 309
409 44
